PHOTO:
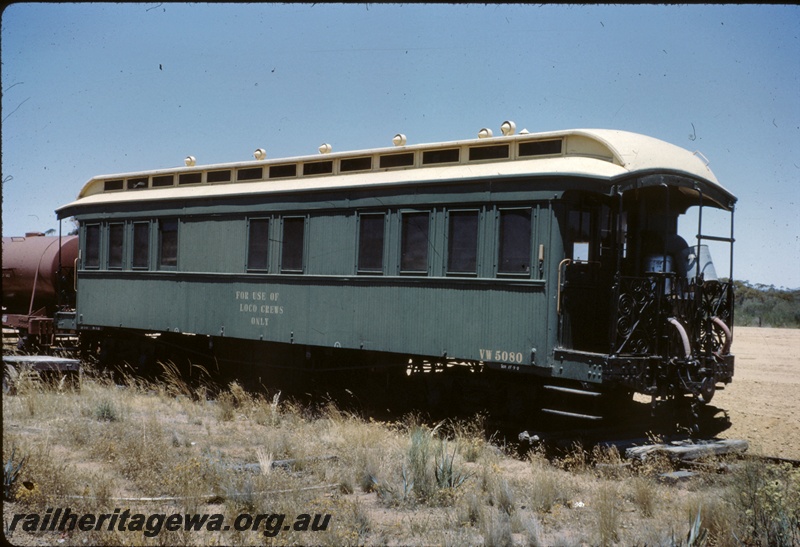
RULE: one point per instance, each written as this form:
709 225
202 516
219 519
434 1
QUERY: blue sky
91 89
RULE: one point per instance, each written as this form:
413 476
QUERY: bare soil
763 401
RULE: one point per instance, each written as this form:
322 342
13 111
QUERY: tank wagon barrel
549 263
38 280
31 270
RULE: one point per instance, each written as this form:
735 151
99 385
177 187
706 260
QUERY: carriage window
462 242
190 178
137 183
414 243
219 176
488 152
116 235
141 244
451 155
168 244
579 234
397 160
258 244
370 243
318 168
278 171
252 173
92 246
540 148
515 242
355 164
293 237
163 180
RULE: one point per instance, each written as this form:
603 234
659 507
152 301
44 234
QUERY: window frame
360 239
402 249
476 254
97 246
134 247
117 254
303 222
250 223
499 269
582 219
162 265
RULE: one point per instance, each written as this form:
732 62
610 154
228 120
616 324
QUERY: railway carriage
546 267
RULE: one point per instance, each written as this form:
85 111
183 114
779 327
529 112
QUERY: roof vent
484 133
260 154
399 140
190 161
508 128
524 132
325 148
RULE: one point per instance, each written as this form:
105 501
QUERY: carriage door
585 276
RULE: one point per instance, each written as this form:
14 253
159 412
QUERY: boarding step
575 415
573 391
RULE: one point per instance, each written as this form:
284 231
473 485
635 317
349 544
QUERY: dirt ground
763 401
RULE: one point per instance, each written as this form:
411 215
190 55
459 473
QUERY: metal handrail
566 261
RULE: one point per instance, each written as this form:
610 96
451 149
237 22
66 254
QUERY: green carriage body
521 252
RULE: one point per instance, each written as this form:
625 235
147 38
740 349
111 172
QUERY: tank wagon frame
549 261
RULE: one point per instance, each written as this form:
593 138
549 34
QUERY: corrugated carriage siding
421 316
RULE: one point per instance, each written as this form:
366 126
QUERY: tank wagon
548 264
38 280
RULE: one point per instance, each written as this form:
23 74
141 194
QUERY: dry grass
406 482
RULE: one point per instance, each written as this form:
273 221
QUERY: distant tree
762 305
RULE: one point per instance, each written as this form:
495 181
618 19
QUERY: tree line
759 305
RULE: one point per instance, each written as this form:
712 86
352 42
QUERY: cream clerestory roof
592 153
